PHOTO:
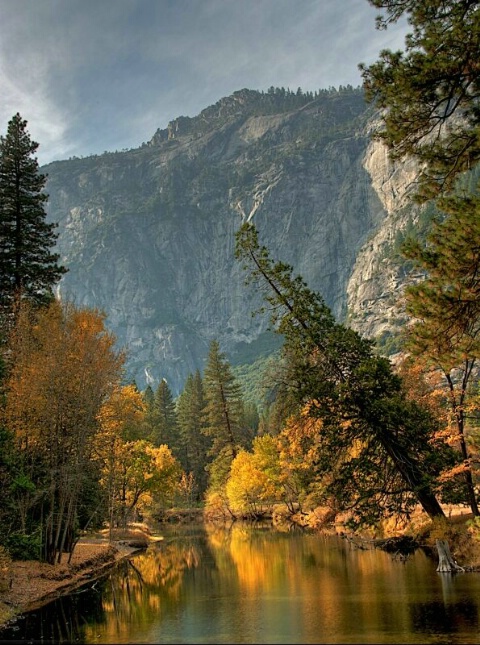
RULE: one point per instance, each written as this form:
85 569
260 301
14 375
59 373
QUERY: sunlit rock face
375 302
148 235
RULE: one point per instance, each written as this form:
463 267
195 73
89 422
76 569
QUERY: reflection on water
255 585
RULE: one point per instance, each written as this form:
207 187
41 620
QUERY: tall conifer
28 267
388 445
165 428
190 407
445 310
223 412
431 90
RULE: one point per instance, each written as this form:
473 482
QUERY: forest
342 429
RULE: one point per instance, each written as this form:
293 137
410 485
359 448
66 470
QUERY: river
250 584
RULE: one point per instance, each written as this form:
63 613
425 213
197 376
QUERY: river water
256 585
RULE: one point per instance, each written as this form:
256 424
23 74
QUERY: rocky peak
148 235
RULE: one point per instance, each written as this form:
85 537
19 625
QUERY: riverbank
31 584
27 585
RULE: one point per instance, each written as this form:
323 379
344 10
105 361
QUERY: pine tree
28 268
223 411
149 397
165 428
195 444
445 308
386 444
430 92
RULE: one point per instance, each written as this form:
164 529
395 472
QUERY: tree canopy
431 91
28 266
62 365
384 441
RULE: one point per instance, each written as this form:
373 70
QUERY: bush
23 547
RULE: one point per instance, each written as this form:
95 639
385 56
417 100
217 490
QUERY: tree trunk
446 563
412 475
458 410
430 504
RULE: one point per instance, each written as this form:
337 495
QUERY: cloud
91 76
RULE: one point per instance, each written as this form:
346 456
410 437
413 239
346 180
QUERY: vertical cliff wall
148 234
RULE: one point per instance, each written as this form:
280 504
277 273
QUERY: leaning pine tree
28 267
390 458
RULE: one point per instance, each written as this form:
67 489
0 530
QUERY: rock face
374 290
148 235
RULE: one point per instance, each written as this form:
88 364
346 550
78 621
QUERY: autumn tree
251 492
299 451
147 475
136 475
28 266
63 364
355 394
430 92
121 419
445 311
168 486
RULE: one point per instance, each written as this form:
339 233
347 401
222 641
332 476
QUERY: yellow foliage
125 407
248 488
63 366
299 440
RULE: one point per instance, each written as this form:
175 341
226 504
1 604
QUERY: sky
91 76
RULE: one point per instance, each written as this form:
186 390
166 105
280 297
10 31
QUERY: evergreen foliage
430 94
28 267
385 442
223 411
431 91
195 444
149 397
445 307
164 419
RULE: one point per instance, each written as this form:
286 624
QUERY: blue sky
96 75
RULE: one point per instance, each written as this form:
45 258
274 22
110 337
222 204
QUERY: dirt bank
31 584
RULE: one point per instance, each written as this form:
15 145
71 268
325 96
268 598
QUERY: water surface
257 585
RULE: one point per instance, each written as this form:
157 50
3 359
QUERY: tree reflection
247 583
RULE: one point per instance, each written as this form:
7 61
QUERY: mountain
148 234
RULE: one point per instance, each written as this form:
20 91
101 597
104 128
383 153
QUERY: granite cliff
148 234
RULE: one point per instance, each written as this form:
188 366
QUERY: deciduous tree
121 418
63 365
251 493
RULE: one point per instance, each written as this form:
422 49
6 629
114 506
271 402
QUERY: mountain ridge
148 234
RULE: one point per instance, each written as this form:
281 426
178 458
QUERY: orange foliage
63 365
